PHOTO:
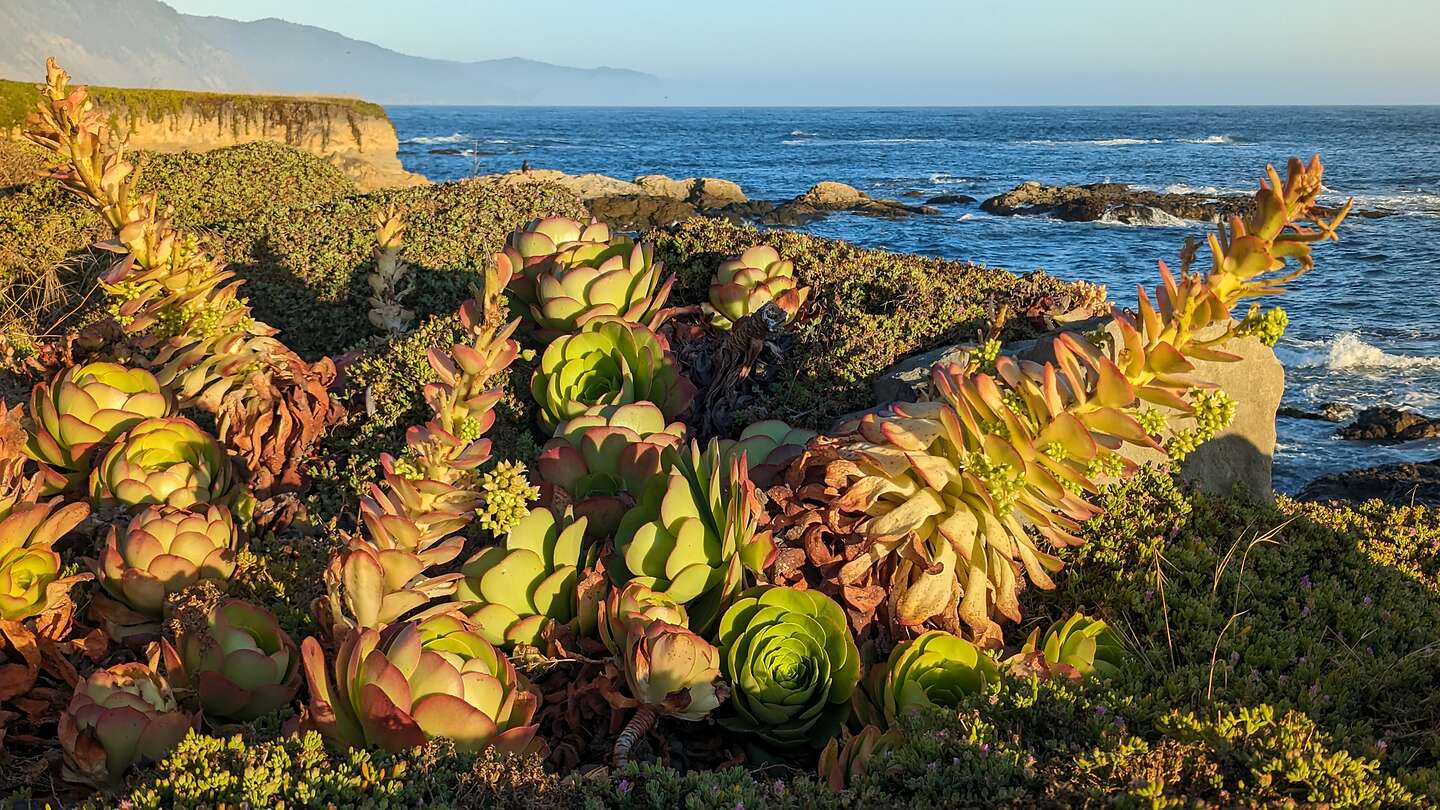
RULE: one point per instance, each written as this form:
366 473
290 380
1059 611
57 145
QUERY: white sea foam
800 133
810 141
1124 141
458 137
947 179
1152 218
1212 191
1210 139
1348 352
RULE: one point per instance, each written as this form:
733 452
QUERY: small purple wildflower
1305 581
623 787
1099 711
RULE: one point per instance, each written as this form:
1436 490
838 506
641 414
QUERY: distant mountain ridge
145 43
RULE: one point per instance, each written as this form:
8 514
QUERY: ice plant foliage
961 491
181 307
566 274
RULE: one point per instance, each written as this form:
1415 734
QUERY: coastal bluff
356 136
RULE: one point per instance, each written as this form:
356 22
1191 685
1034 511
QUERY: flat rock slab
1119 202
1396 484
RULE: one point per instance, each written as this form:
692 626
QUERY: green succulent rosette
414 681
1089 645
30 580
934 669
609 362
768 446
693 534
119 717
791 663
165 550
86 407
526 582
633 604
604 457
168 461
240 664
744 284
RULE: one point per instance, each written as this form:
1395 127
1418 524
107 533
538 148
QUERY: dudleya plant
603 458
792 665
1089 646
413 681
934 669
85 407
608 362
744 284
30 580
239 662
566 274
517 588
119 717
164 550
694 534
168 461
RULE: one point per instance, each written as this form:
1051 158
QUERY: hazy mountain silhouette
145 43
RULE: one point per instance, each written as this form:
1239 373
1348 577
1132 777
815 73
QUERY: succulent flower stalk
744 284
165 550
86 407
518 587
119 717
968 484
792 665
413 681
240 664
608 362
30 580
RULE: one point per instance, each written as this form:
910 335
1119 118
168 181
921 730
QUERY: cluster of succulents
637 554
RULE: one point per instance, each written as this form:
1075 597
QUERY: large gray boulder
1237 459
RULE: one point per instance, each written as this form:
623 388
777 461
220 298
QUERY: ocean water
1364 326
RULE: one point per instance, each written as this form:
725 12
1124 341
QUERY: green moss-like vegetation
17 100
870 308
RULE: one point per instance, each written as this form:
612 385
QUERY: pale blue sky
930 51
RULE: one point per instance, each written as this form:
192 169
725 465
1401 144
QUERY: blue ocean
1364 326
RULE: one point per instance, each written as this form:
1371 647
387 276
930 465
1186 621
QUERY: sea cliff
356 136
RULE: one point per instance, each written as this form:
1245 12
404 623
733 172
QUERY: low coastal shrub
867 309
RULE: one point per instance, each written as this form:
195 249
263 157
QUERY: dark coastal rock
1397 484
951 199
1329 412
1390 425
913 194
1118 202
1092 202
637 212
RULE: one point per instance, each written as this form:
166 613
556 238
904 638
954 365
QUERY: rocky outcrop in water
1388 425
655 200
1397 484
1120 203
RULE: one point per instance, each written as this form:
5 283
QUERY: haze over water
1364 326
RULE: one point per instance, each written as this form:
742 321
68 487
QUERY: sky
930 51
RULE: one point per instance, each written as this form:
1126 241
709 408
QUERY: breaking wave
458 137
1348 352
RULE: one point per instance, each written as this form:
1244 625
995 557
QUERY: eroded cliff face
356 136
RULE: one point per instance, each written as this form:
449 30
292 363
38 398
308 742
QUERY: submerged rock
951 199
1390 425
1400 484
1329 412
